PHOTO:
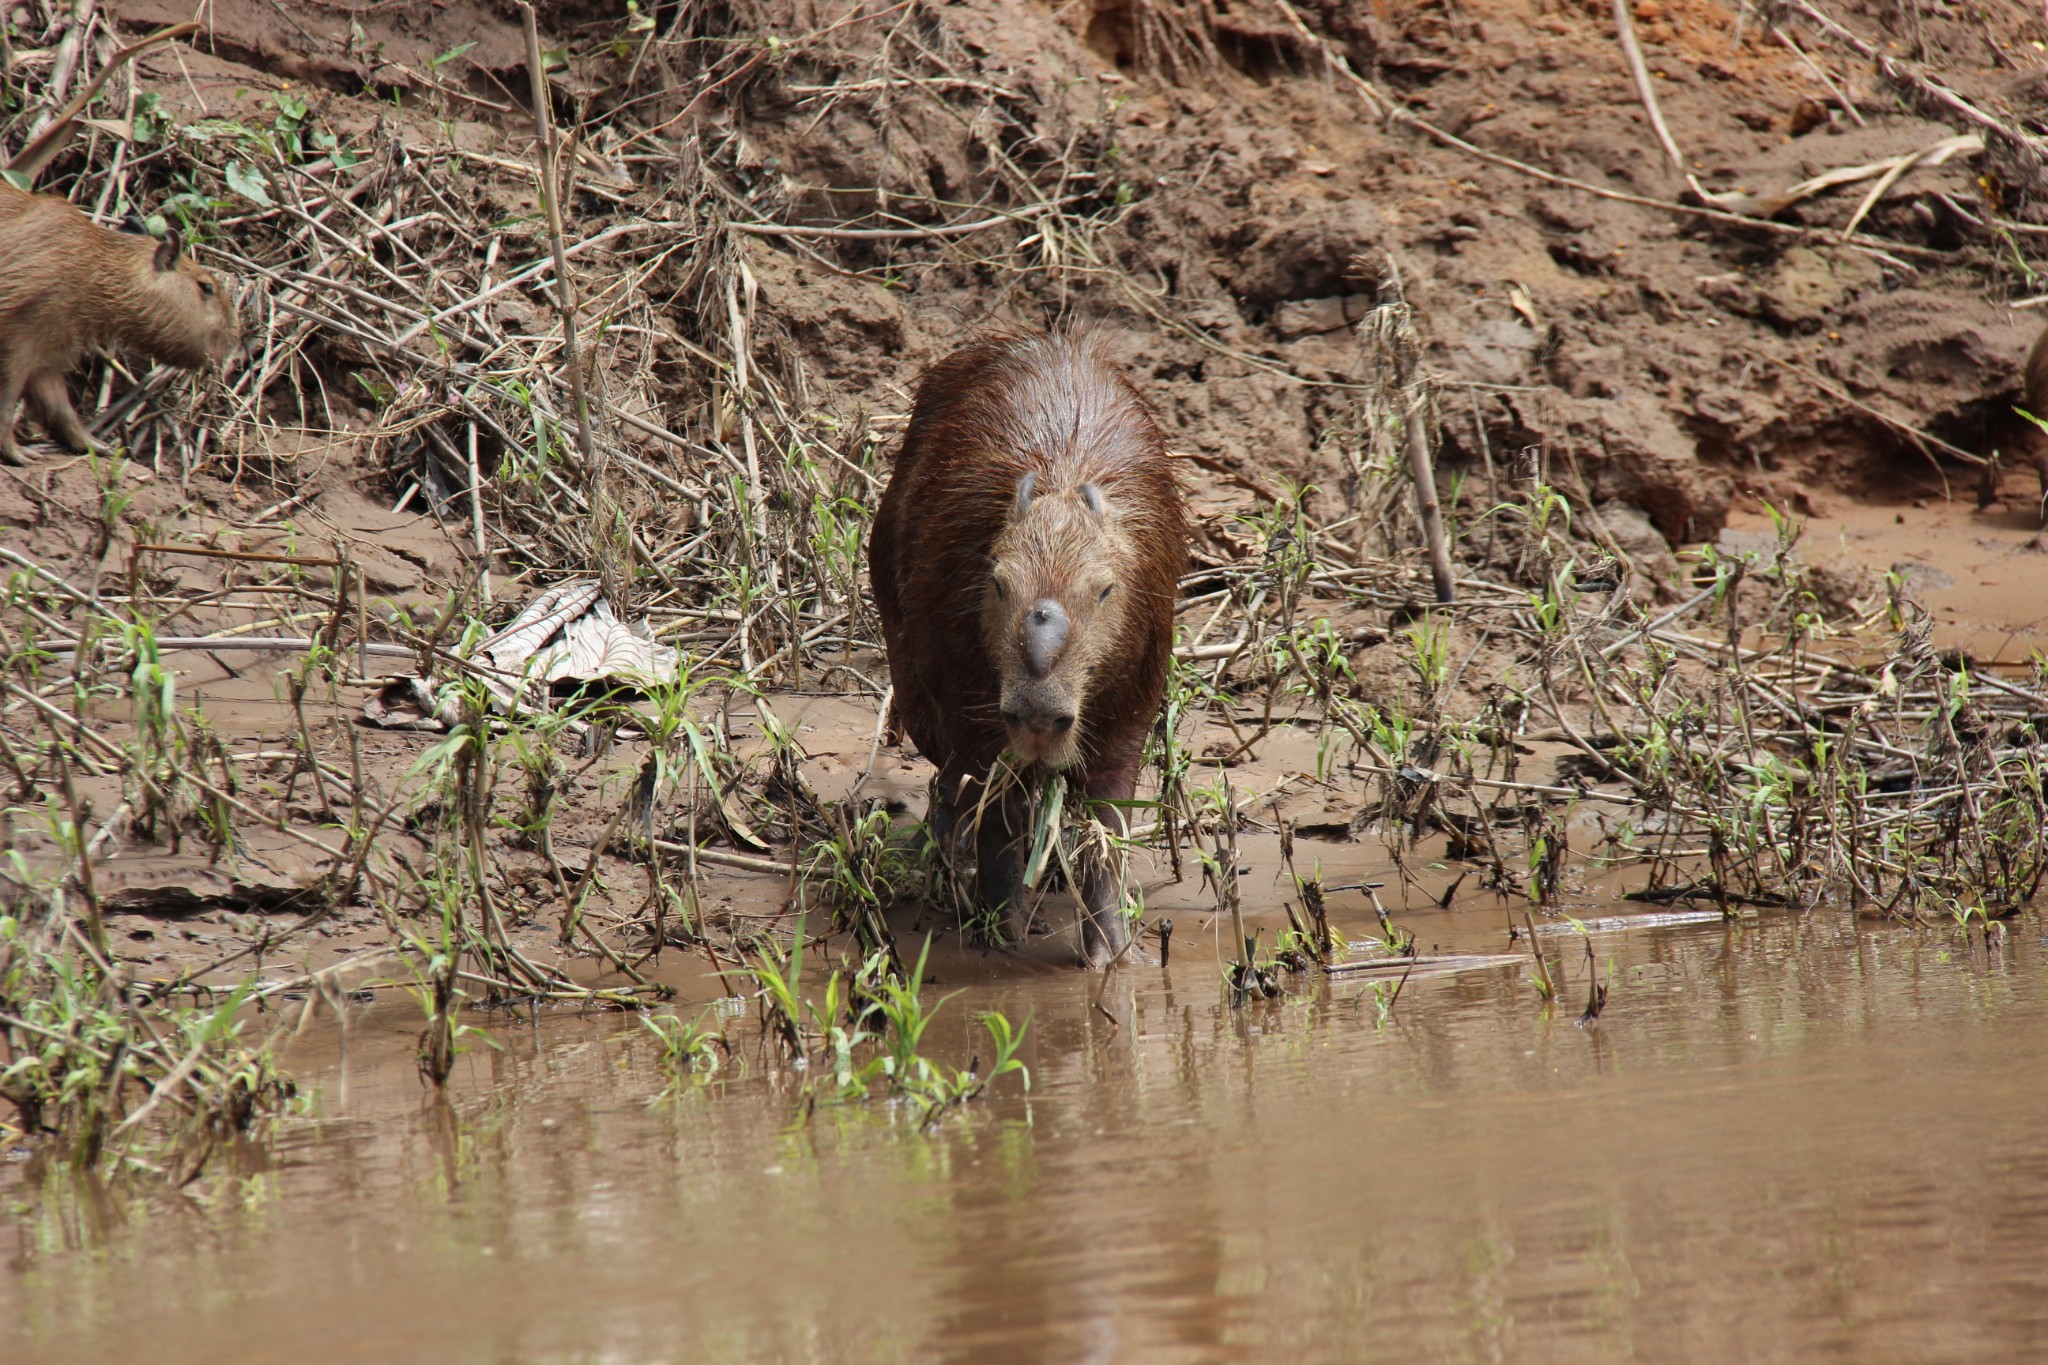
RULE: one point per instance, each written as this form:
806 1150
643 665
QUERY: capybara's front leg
1000 851
1104 929
942 818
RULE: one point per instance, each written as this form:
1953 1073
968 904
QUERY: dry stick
262 644
738 861
362 627
875 746
572 909
72 45
1432 512
62 585
1662 621
1884 182
1638 69
1821 74
251 556
1924 86
909 234
565 296
45 146
757 496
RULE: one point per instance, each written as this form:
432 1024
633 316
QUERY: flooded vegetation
472 886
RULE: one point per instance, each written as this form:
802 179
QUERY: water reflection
1786 1140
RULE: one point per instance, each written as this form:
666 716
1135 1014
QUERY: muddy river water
1787 1139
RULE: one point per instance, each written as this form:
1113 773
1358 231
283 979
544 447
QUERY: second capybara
1026 560
70 288
2035 382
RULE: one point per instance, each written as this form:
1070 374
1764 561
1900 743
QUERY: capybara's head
1053 610
187 315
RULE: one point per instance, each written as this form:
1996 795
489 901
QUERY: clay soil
1679 363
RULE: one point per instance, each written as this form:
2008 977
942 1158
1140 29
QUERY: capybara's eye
206 289
1103 596
1001 592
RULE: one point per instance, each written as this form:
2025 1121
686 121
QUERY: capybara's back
69 288
1025 562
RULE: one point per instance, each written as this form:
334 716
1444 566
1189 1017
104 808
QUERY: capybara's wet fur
1025 563
70 288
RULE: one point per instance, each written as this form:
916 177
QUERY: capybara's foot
1103 936
10 453
1016 927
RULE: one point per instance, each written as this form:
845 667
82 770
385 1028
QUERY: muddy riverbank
462 895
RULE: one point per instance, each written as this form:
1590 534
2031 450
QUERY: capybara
69 288
2036 441
1025 562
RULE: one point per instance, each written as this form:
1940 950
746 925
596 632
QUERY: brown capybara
2035 441
69 288
1025 562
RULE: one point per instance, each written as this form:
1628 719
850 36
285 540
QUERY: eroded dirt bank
1221 198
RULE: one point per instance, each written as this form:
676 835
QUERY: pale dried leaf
538 623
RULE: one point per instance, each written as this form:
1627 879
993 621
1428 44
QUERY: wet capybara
1025 562
70 288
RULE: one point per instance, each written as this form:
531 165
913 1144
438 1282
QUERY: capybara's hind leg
50 404
1000 850
13 379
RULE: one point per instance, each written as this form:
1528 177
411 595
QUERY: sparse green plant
687 1049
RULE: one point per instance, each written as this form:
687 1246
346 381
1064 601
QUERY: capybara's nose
1040 722
1045 635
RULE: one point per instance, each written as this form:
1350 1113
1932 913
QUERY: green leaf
212 129
1046 836
450 55
248 182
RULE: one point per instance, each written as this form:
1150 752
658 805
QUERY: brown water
1793 1139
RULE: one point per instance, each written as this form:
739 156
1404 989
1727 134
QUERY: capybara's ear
168 251
1092 495
1025 486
